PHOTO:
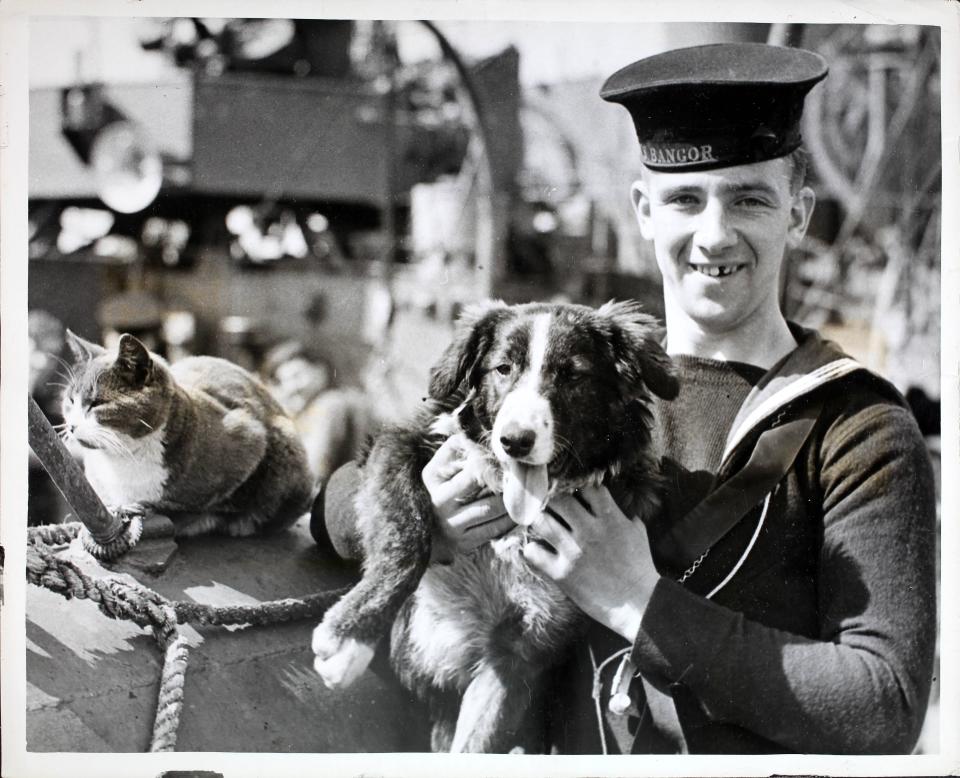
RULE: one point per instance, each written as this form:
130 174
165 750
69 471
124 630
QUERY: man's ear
472 338
640 196
801 209
82 350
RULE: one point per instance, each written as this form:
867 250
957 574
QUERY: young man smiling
719 238
784 600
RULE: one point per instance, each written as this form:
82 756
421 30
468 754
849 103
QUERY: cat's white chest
135 476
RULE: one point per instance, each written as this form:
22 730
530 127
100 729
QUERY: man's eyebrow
752 187
672 190
760 187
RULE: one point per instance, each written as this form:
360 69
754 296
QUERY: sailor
785 600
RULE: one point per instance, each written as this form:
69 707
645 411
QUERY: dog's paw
339 661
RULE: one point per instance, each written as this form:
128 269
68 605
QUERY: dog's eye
577 370
504 369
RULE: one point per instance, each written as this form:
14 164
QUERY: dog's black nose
517 441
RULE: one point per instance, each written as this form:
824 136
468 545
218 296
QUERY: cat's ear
133 359
83 350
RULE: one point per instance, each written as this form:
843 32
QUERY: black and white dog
553 398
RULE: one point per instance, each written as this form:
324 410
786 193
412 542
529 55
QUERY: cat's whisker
71 374
105 439
115 444
126 451
145 424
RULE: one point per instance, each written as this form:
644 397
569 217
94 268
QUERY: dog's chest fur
484 606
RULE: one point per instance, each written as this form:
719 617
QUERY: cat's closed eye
95 402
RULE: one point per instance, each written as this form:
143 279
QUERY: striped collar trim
802 385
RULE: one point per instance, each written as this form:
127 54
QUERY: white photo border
17 763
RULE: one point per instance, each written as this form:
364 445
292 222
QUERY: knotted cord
121 599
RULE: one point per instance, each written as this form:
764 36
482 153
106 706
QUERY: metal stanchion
108 536
103 526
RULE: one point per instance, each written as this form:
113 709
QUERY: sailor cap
718 105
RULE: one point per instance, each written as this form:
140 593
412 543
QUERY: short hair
799 160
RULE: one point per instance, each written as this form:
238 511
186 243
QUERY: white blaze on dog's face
522 436
523 427
560 393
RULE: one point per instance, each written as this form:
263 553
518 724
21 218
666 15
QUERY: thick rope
53 534
61 534
120 599
170 697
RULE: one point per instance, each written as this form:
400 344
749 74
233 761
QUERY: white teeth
715 271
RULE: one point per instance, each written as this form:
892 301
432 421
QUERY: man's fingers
445 456
584 503
542 558
447 471
477 512
494 528
570 511
555 533
459 487
600 502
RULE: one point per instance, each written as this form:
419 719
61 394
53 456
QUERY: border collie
552 398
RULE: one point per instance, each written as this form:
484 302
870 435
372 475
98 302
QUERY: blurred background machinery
331 184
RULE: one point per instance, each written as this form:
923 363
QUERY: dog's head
564 387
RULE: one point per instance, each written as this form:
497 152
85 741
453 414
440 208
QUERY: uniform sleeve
333 520
862 687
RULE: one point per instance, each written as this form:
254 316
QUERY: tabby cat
201 441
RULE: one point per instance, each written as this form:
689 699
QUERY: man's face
720 237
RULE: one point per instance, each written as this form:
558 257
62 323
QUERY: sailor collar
812 364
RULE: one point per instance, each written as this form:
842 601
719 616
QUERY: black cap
715 106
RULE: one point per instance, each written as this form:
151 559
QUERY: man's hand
463 522
600 559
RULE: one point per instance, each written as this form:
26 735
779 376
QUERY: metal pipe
103 526
490 253
782 34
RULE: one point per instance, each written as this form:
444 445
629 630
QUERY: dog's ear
635 340
472 338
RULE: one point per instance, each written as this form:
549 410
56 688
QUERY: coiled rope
120 599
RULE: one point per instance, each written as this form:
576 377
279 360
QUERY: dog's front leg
395 521
494 708
344 642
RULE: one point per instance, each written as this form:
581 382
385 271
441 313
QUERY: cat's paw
339 661
128 512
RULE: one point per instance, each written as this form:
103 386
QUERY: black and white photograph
426 389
